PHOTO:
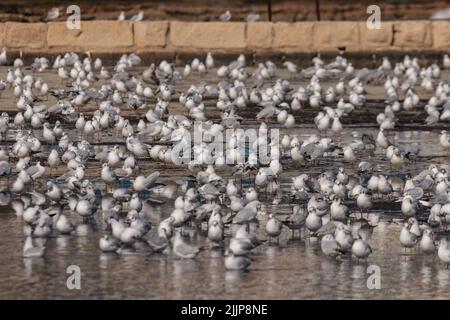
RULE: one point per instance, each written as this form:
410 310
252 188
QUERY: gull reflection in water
426 273
233 279
443 277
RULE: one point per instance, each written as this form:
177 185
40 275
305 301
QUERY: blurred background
225 10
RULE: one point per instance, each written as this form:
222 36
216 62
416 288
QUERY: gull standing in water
361 249
273 227
444 251
234 262
182 249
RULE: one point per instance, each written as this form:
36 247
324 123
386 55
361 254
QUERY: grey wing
157 243
121 172
151 178
244 215
32 170
308 149
5 167
56 108
328 228
267 112
37 198
246 245
416 193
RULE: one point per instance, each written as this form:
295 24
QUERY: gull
142 183
36 171
53 159
24 176
30 251
339 211
18 185
444 251
5 168
85 208
129 235
159 242
361 249
225 16
386 64
53 14
63 225
3 57
243 234
313 221
364 201
407 238
2 87
18 207
81 122
135 202
98 63
138 223
409 206
297 219
180 216
117 227
104 73
329 246
54 192
240 246
234 262
136 147
43 227
251 195
31 214
344 238
349 155
138 17
273 226
121 17
318 205
427 243
216 231
107 175
339 189
445 61
290 66
248 213
182 249
209 61
381 141
108 244
122 194
444 140
231 189
252 17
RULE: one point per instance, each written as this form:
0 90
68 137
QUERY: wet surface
291 269
295 269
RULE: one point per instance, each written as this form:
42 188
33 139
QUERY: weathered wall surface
227 37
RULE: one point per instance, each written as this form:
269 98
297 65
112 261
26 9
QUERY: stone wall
176 36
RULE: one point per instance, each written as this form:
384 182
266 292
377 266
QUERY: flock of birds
54 14
53 144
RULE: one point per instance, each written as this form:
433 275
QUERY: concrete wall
227 37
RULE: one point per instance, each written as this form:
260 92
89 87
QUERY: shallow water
295 269
291 269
